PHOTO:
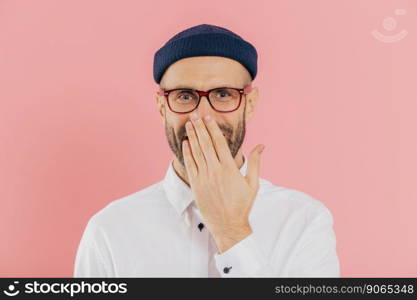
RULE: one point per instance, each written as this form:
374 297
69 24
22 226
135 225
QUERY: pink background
79 126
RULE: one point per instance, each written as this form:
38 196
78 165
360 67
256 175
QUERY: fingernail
262 149
207 117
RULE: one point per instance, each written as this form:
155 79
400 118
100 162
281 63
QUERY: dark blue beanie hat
205 40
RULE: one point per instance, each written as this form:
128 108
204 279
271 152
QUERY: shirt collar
178 192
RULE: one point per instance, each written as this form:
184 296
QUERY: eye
185 95
222 93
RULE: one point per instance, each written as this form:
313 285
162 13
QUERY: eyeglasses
222 99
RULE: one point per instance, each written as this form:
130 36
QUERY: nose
204 107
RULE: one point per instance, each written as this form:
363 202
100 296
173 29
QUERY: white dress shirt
159 232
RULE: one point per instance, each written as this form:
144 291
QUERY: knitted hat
205 40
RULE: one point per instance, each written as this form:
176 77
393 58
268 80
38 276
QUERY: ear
251 101
160 102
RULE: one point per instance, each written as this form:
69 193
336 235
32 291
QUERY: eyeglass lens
223 99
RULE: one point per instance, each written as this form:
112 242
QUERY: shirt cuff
244 259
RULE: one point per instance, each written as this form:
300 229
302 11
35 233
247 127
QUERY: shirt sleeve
91 259
244 259
314 255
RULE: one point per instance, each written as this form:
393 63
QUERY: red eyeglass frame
247 89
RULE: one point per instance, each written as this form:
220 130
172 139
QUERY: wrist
231 236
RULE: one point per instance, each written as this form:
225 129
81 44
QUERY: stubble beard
234 138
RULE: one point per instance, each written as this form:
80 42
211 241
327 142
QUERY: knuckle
205 144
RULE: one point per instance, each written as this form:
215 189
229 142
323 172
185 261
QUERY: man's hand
223 195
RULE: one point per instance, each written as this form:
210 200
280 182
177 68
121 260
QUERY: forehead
205 72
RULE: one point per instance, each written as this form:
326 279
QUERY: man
211 216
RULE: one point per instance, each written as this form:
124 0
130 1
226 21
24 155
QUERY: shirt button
200 226
226 269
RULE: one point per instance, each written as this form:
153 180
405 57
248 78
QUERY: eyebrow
191 88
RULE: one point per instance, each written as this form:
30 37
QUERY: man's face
204 73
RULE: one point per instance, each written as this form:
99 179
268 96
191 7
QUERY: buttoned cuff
244 259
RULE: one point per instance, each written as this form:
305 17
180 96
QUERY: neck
182 172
